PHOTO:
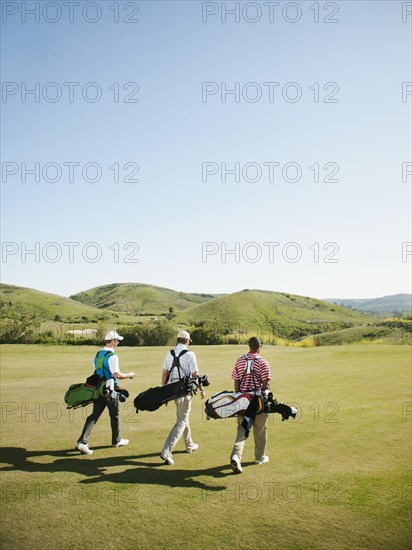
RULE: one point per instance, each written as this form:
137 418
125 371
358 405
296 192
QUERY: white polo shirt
188 363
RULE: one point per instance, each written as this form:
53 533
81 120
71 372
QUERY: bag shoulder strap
176 362
105 353
100 360
249 370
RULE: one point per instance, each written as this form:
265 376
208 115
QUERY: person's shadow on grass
143 471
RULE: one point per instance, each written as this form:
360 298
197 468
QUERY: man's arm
115 370
202 391
265 375
122 376
194 372
167 365
235 377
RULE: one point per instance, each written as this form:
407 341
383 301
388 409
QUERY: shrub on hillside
158 333
351 336
207 335
16 332
404 324
153 333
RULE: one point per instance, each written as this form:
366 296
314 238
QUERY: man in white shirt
106 365
188 367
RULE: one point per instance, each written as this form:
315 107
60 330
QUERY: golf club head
286 411
204 380
119 394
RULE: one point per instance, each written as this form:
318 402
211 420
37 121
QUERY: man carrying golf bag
180 363
251 373
106 365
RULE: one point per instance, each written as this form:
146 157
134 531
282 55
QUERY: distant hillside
386 305
17 302
139 299
284 314
381 334
232 318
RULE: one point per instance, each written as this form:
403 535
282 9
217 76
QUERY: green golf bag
80 395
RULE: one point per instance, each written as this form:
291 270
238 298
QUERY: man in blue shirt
106 364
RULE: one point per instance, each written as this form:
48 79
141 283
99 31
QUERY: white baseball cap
184 334
112 335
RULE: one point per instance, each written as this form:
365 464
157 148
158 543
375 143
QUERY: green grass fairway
338 475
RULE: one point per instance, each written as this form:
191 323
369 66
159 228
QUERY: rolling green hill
282 314
387 332
386 305
272 315
18 302
139 299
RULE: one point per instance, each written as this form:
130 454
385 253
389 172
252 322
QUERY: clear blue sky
170 132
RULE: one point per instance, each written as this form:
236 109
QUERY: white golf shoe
84 449
122 443
236 466
264 459
168 459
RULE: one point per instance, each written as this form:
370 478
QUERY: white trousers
259 435
182 427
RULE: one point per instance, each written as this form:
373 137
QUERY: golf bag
227 404
153 398
80 395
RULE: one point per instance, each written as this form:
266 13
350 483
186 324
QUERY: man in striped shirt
251 373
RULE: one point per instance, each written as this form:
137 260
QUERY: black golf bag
153 398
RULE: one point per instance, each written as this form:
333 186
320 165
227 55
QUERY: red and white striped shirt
261 372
